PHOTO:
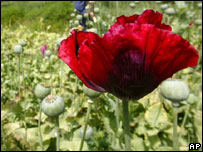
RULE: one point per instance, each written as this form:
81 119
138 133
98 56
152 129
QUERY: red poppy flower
131 59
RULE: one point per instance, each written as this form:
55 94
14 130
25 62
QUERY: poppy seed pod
41 91
90 93
87 7
158 2
53 105
86 15
76 22
89 132
23 43
47 54
132 5
18 49
72 14
164 6
198 21
199 5
96 10
170 11
175 90
79 17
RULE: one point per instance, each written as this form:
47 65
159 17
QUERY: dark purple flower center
128 75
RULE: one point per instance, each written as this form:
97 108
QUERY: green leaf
137 143
198 125
156 116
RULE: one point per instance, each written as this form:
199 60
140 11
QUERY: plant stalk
19 85
175 139
126 126
57 133
85 128
39 128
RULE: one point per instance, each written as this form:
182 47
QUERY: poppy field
96 90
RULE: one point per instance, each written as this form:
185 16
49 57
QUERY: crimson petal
144 56
69 52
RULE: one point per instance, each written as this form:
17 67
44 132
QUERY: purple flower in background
43 49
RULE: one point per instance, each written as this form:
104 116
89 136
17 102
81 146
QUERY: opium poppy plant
131 59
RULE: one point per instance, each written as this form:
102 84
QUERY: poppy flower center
128 73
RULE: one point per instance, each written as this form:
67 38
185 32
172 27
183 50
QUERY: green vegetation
30 13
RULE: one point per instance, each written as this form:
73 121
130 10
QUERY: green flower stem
19 58
175 139
86 122
57 132
22 68
117 113
39 125
126 126
61 74
183 123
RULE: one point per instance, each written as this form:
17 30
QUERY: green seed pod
18 49
58 42
87 7
86 15
158 2
53 105
91 2
170 11
199 5
164 6
76 22
180 4
132 5
71 21
72 14
23 43
175 90
41 91
89 132
47 54
90 93
108 16
198 21
79 17
90 24
96 10
191 99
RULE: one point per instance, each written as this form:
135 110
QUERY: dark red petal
166 53
126 19
94 63
67 52
151 17
162 52
147 17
